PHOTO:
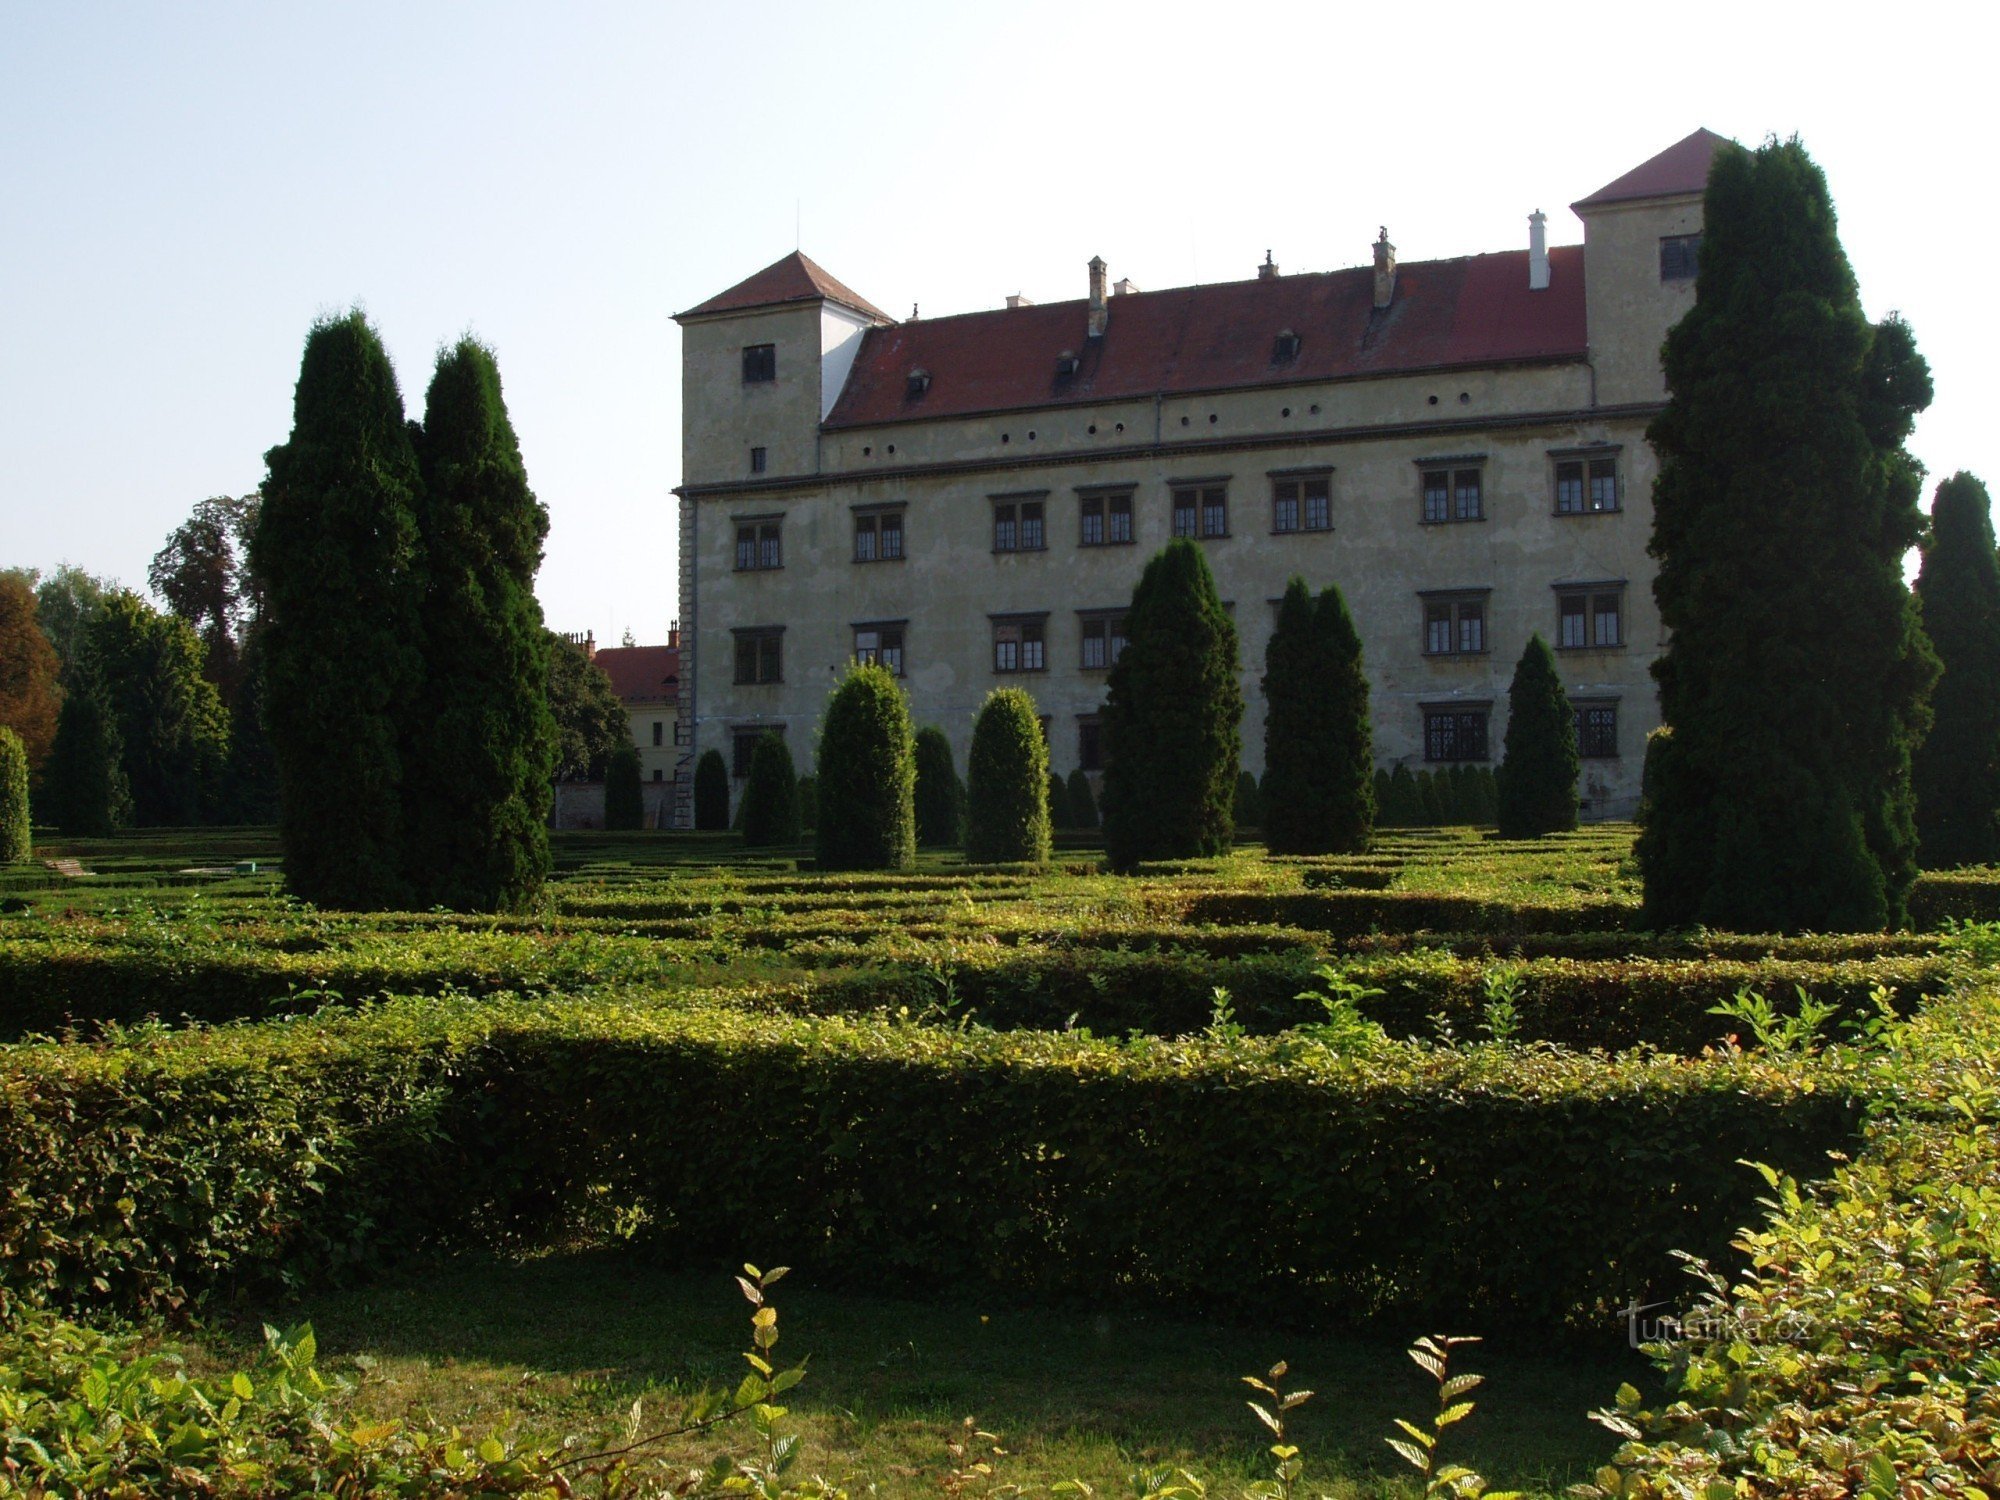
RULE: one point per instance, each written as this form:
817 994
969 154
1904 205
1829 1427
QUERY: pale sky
185 186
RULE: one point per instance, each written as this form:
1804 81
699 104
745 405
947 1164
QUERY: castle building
647 681
969 500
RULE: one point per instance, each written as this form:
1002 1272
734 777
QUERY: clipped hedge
1352 912
1942 896
1517 1186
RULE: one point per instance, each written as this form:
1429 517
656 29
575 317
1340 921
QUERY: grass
569 1342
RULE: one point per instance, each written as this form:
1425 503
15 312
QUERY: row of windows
1299 503
1589 617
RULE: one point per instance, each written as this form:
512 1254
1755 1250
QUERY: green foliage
29 698
1537 779
337 547
808 803
479 747
1007 782
1247 807
1796 675
624 797
251 780
711 792
1956 772
771 796
1318 744
1400 804
84 785
16 827
1430 799
67 603
867 775
590 718
200 574
940 795
1082 801
1419 1446
1170 721
172 728
1058 801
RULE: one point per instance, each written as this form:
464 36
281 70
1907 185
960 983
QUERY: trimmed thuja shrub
1537 779
808 803
1957 771
940 794
1170 720
1796 675
867 775
16 833
1247 808
1082 801
624 801
1320 790
771 796
1058 803
84 784
711 792
1007 782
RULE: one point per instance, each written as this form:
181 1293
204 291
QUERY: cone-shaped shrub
1058 803
1430 801
808 803
771 796
479 751
84 786
1385 806
1537 779
336 548
867 775
1082 801
1007 782
1170 720
711 792
1486 787
1405 798
1957 770
1796 675
1248 807
624 801
16 828
1318 745
940 794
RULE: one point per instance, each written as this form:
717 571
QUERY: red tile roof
642 674
1681 168
793 279
1473 311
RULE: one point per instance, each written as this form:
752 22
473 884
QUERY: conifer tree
172 728
1796 677
336 545
478 747
867 775
1537 777
711 792
1247 809
1385 804
1058 803
84 784
1007 782
624 796
1403 794
1170 720
940 794
808 803
1430 801
16 824
1957 770
1082 801
771 796
1318 746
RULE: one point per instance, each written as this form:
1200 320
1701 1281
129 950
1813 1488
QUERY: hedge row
1474 1186
1955 895
1349 913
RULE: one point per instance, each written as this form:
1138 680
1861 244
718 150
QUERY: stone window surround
1479 594
1590 590
1453 464
1584 455
1299 475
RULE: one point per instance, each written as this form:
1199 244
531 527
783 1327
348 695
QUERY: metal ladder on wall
684 701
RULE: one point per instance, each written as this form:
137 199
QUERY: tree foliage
171 725
624 796
1796 677
67 603
1007 782
479 747
1319 751
337 549
202 575
590 718
711 792
16 824
771 796
1170 720
1956 772
29 670
1082 801
1247 809
1537 778
867 775
940 794
84 789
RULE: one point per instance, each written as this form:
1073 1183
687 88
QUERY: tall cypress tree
1796 678
624 796
1318 746
84 782
1957 770
336 546
1170 719
1082 801
940 794
711 792
1007 782
172 727
1537 791
771 796
479 742
867 775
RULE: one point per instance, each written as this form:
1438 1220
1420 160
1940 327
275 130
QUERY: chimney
1538 251
674 636
1269 270
1100 312
1125 287
1385 270
1015 299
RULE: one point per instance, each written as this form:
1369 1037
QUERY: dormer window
1286 348
919 382
1067 363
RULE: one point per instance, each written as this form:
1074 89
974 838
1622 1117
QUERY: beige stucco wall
1629 308
723 418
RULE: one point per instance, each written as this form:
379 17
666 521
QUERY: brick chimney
1269 270
1538 251
1385 270
1100 306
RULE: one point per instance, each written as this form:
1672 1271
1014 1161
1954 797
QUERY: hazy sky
187 185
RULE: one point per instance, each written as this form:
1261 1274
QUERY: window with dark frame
878 536
1597 731
1455 625
743 747
1454 734
1586 486
880 644
1680 256
757 460
1301 503
1454 493
759 656
1201 510
760 363
1590 618
1104 520
1018 526
1089 743
1103 639
659 731
1020 645
757 546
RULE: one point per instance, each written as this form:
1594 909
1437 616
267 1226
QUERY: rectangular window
757 460
1455 627
1597 731
759 656
760 363
1103 640
1017 526
659 731
880 644
878 536
1590 619
1019 646
1679 257
1586 486
1302 503
1184 512
757 546
1201 510
1452 734
1453 494
1089 743
659 774
743 746
1105 520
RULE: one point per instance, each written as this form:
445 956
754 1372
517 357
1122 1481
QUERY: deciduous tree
590 719
29 671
